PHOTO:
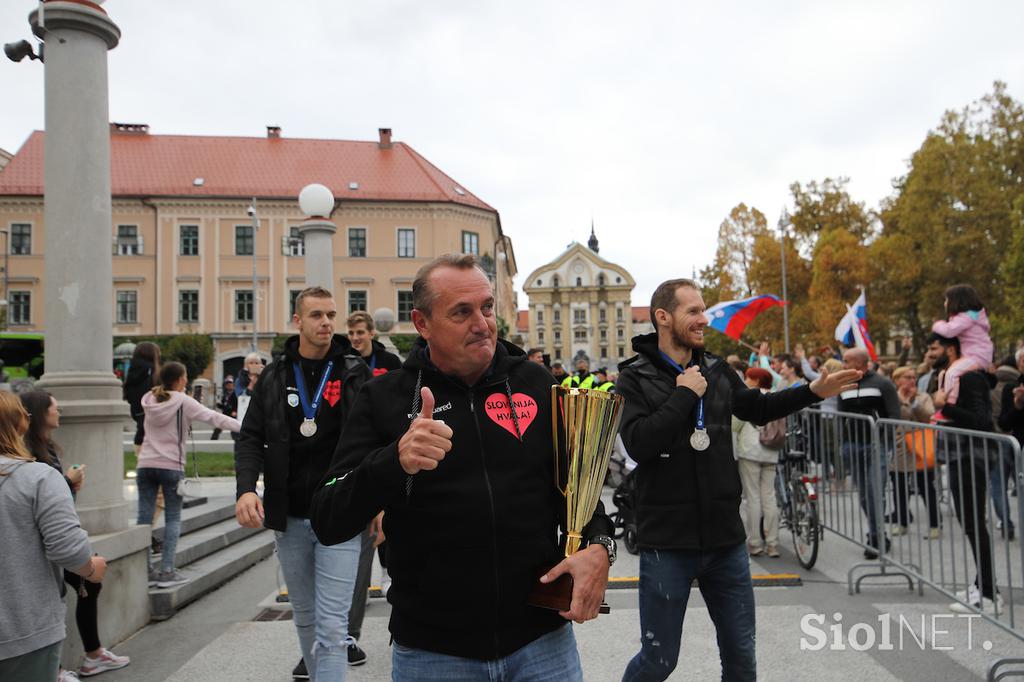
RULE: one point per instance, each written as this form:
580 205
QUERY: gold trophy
584 423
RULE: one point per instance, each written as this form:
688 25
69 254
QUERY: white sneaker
67 676
107 660
896 531
970 600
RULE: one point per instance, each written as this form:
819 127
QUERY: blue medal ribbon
700 401
373 361
309 408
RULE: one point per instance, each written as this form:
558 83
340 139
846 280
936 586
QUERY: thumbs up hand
427 441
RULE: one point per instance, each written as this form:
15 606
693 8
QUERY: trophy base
556 595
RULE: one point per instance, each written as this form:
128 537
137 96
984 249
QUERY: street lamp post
783 221
317 230
7 279
255 299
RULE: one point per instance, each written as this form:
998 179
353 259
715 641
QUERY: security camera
17 51
251 211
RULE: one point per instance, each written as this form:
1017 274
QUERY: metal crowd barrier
926 502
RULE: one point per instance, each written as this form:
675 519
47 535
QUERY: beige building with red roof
183 242
579 305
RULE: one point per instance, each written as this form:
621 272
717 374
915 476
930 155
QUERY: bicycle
797 498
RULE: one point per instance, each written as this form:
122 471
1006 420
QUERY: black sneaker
300 673
356 656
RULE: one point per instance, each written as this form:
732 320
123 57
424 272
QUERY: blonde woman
40 535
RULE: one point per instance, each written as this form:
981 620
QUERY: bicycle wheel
805 530
630 539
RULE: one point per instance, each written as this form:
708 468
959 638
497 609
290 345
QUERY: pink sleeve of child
956 326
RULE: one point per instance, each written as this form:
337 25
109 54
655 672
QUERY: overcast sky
653 118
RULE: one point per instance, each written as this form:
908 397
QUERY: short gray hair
423 296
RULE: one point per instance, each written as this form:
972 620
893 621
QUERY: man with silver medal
677 426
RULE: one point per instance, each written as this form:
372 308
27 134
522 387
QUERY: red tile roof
641 313
523 321
167 165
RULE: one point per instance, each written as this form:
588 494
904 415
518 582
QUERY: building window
604 334
539 282
243 305
619 333
293 295
558 336
405 306
188 306
20 307
540 317
296 244
620 353
579 281
618 314
554 281
580 336
558 315
129 243
357 242
243 240
600 280
21 239
356 300
603 315
540 336
189 240
406 243
127 307
471 243
579 316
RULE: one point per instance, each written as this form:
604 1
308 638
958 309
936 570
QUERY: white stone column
318 235
78 285
79 275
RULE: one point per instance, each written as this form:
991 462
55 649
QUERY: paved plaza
218 638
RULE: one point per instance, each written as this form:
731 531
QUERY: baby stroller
624 516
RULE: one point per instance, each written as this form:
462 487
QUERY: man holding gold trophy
458 449
677 426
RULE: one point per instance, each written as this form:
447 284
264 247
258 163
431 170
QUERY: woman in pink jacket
169 416
968 322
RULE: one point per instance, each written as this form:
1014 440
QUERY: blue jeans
149 480
665 579
870 486
552 657
1000 471
320 580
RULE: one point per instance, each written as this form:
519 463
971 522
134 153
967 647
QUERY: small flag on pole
732 317
852 330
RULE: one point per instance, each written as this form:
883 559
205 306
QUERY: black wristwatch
608 543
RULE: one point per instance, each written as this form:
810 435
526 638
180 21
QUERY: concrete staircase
212 550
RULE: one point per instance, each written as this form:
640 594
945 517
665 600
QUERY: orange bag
922 444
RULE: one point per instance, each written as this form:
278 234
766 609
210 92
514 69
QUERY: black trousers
85 610
968 485
923 485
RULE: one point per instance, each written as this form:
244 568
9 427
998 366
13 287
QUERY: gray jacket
39 534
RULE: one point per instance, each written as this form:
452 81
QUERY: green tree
841 265
822 207
195 351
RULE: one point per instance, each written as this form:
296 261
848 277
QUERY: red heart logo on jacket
332 392
498 411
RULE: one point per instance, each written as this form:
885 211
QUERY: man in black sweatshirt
456 448
678 427
969 459
290 431
876 397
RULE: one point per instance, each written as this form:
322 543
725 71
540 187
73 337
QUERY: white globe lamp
316 201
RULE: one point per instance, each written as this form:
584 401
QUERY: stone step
203 542
210 572
215 510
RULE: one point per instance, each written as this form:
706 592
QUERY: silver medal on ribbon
308 428
699 440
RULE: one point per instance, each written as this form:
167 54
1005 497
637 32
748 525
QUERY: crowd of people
443 460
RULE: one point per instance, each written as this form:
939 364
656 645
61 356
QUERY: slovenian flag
732 317
852 330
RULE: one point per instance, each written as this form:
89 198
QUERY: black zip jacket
1011 419
269 437
137 384
468 540
688 499
973 409
383 361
